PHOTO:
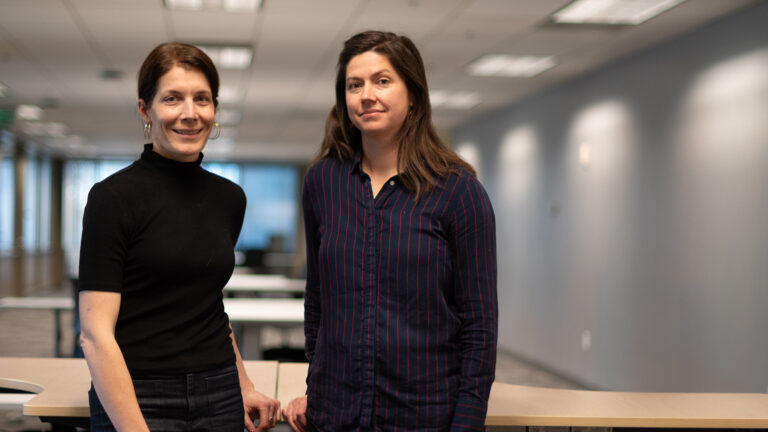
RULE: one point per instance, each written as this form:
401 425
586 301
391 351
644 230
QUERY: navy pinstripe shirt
401 311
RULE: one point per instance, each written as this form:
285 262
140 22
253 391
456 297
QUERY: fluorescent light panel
229 57
622 12
29 112
453 100
226 5
510 66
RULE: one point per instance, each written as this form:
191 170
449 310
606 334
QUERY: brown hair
421 153
164 57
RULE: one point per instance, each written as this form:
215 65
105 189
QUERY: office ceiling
53 54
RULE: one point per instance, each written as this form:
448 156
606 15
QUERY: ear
143 110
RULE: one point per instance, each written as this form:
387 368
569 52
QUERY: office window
30 233
79 177
270 218
229 171
6 203
44 206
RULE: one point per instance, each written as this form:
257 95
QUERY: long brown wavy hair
422 156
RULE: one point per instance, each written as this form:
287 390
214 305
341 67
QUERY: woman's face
182 114
376 95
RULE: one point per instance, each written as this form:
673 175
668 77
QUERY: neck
380 158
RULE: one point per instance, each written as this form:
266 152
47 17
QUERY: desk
260 283
259 312
56 304
516 405
62 385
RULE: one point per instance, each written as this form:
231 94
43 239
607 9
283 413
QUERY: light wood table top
517 405
62 384
52 303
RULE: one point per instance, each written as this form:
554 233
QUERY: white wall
645 267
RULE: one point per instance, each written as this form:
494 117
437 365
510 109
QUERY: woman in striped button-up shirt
401 310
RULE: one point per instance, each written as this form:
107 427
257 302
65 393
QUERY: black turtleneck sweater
162 234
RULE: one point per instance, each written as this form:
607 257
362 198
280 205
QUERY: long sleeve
473 243
312 292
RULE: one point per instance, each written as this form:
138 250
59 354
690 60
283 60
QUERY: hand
262 407
296 414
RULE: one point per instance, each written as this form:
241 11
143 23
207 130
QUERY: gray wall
645 269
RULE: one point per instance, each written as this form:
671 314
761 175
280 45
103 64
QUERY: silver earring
218 131
147 130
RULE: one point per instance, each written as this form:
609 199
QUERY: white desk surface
53 303
265 311
62 384
516 405
261 283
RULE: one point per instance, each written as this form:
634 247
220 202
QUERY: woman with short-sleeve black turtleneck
157 250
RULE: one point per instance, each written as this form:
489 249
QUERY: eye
204 99
353 86
383 81
170 98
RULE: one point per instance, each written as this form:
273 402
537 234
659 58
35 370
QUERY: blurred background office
624 145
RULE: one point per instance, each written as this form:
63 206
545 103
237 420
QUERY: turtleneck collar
158 161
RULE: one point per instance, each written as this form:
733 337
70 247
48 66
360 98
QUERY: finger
301 421
295 426
248 423
263 418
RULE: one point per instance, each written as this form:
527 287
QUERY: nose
368 93
188 110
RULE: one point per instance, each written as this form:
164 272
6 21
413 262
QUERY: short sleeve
104 241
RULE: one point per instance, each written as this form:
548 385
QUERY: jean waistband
182 376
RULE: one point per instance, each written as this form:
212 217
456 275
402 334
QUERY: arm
256 404
473 242
312 291
98 315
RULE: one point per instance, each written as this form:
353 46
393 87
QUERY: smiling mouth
187 132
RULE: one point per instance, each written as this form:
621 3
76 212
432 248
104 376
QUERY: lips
369 113
187 131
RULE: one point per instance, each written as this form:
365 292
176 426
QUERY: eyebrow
379 72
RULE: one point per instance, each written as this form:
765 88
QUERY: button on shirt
401 310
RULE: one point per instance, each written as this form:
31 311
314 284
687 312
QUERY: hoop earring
147 131
218 131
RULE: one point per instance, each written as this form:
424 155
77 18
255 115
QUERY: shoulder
466 190
224 188
118 185
325 168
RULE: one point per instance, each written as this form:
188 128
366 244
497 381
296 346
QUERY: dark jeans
202 401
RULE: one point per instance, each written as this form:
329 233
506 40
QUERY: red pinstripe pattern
401 311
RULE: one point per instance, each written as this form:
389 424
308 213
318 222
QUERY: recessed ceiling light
229 57
453 100
184 4
29 112
242 5
626 12
510 66
227 5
